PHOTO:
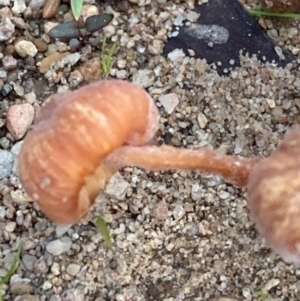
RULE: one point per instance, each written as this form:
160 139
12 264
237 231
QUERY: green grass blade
258 12
103 45
107 56
76 6
101 225
112 50
13 266
262 295
103 55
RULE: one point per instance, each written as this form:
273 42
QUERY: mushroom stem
233 169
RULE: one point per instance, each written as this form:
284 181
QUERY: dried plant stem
233 169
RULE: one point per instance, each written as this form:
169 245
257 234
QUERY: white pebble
169 102
59 246
271 103
117 187
144 78
26 48
202 120
19 7
6 163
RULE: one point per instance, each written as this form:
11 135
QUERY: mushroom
81 138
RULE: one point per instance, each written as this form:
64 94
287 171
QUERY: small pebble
89 10
117 187
19 118
144 78
73 269
55 268
27 297
51 60
72 295
271 103
59 246
9 62
75 78
30 97
2 212
29 261
7 28
47 285
19 7
61 230
271 284
91 69
10 227
6 163
169 102
26 48
6 89
178 212
160 211
202 120
19 286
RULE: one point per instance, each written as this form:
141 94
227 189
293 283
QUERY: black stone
231 29
6 89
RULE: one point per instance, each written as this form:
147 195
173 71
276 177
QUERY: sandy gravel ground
176 235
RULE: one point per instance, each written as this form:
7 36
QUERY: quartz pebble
144 78
169 101
9 62
2 212
30 97
117 187
61 230
19 7
7 28
178 212
202 120
59 246
176 55
6 163
26 48
271 284
73 269
271 103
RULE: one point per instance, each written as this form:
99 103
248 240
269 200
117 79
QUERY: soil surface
176 235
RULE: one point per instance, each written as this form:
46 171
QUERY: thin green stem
101 225
107 56
12 268
256 12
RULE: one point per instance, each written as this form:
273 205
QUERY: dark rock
223 29
6 89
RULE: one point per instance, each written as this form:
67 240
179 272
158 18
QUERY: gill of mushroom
81 138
